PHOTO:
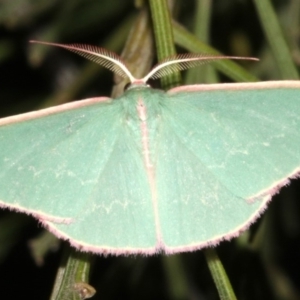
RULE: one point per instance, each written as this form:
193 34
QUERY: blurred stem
219 275
51 33
72 276
276 39
187 40
177 280
206 73
41 245
164 39
138 51
90 70
202 20
7 49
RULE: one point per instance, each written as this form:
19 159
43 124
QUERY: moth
152 171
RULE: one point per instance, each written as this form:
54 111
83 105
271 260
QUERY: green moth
152 171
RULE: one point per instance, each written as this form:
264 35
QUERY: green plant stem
205 73
164 39
187 40
176 277
72 276
219 275
276 39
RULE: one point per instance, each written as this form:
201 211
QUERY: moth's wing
41 158
224 151
80 173
250 135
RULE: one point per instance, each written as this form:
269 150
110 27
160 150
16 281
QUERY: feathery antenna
113 62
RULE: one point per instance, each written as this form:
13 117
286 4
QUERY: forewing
248 135
45 157
80 172
221 149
